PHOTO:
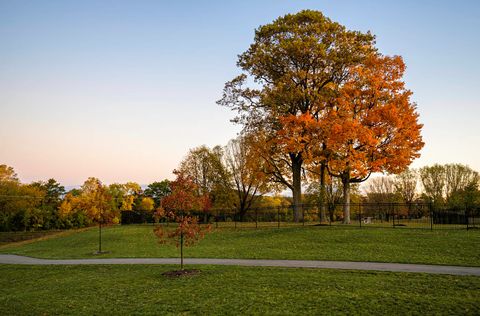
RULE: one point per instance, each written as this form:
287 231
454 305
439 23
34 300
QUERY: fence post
278 216
408 219
303 215
256 218
473 217
330 212
431 216
235 217
466 215
216 220
359 215
392 209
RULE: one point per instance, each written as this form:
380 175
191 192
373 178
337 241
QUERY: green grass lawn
126 290
449 247
9 237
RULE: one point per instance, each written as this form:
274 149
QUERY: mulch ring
181 273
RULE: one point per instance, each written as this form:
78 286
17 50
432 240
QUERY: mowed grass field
445 247
220 290
227 290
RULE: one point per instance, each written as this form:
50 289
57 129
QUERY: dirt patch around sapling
181 273
101 252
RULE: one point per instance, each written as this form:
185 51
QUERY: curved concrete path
343 265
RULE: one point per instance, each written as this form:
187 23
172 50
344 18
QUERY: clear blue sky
121 90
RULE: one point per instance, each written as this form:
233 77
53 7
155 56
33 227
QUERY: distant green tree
467 197
406 185
19 203
459 180
450 184
433 180
7 174
157 191
75 192
53 195
207 170
117 192
54 191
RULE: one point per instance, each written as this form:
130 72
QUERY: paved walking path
343 265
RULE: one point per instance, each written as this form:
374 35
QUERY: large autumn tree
373 125
297 62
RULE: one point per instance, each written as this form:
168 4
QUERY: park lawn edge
52 235
9 249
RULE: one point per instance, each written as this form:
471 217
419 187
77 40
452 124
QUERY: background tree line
224 179
451 185
46 204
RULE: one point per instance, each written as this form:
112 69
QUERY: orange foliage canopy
188 229
184 195
373 126
298 133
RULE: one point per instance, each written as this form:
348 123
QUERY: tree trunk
297 186
346 199
242 209
323 205
241 215
331 210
